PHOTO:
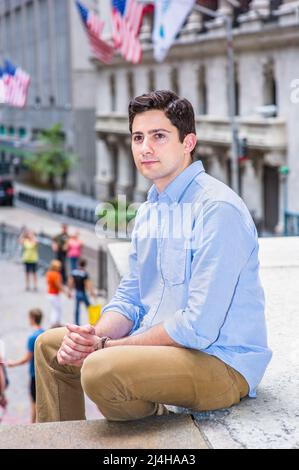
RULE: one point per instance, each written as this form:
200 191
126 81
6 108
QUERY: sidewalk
14 330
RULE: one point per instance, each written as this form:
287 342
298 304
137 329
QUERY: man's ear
190 142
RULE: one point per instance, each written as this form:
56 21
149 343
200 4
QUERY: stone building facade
266 46
46 38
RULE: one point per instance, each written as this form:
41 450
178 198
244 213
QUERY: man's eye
159 136
137 138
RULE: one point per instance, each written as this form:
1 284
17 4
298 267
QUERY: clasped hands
77 344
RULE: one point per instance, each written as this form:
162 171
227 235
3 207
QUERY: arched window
174 81
237 92
130 82
202 91
112 92
151 80
269 86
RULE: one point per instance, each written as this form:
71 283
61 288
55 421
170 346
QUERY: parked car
7 192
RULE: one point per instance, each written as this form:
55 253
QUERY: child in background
55 286
35 320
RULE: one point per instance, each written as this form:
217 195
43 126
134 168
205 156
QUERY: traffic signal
243 150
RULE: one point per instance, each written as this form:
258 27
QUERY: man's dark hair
178 110
82 263
36 315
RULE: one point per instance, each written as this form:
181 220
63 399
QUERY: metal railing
10 249
78 212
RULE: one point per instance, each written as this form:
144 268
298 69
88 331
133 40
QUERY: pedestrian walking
35 319
74 249
29 243
80 282
59 247
3 386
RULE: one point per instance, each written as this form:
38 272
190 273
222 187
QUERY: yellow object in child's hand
94 313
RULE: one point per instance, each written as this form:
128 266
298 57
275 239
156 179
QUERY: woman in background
29 243
74 249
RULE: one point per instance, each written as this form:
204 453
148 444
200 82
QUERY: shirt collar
176 188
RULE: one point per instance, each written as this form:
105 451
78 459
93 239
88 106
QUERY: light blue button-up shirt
194 267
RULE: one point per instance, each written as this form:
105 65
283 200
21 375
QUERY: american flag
2 89
15 85
94 27
127 18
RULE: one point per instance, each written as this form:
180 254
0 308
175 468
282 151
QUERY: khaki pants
131 382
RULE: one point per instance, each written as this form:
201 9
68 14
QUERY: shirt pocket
173 261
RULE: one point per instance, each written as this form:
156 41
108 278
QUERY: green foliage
116 215
51 160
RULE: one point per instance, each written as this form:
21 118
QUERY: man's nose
146 146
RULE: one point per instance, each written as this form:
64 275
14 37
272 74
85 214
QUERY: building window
112 92
22 132
237 92
174 81
11 131
269 88
130 82
202 92
151 80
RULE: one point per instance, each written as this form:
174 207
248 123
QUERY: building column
288 12
258 11
218 24
103 92
141 188
145 35
104 170
52 54
140 80
193 26
37 50
162 74
125 171
217 168
252 189
122 97
188 81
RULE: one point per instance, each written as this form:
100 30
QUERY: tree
51 160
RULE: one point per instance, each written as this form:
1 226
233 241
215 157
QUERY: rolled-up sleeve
126 300
225 245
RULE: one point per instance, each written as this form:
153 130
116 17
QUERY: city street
15 304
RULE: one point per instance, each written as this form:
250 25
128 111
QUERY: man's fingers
77 346
69 357
63 359
85 329
76 355
83 340
80 339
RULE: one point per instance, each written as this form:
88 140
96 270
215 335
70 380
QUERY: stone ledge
164 432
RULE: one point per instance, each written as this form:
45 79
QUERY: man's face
158 153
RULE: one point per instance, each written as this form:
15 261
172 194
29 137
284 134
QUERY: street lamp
284 171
